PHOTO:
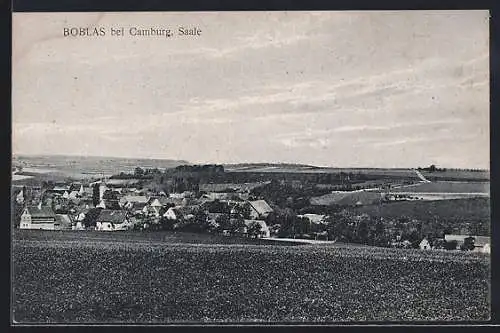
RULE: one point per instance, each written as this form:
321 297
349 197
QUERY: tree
242 210
468 244
363 232
139 172
95 195
91 217
109 195
254 229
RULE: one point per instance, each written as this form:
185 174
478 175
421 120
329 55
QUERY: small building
112 220
20 197
425 245
481 243
178 213
259 209
38 217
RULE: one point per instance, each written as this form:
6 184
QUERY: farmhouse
259 209
112 220
38 217
481 243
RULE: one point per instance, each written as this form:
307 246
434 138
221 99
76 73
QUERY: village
126 203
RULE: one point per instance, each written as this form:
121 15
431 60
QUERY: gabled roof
113 216
44 211
138 205
64 220
180 211
261 206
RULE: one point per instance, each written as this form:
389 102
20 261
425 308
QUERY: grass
133 277
467 210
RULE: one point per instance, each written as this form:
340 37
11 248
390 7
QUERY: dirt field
78 277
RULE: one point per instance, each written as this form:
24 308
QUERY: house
38 217
60 189
20 197
112 220
178 213
264 229
80 214
425 245
78 226
136 207
150 210
259 209
481 243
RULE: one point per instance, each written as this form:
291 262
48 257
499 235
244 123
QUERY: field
75 277
468 210
447 187
60 167
383 173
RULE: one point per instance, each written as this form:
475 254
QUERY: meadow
133 277
446 187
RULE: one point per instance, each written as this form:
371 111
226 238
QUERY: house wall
38 226
170 214
104 226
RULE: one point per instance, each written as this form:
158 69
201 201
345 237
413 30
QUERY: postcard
281 167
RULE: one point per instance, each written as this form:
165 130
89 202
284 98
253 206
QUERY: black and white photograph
259 167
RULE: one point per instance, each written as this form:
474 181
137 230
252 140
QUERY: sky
339 89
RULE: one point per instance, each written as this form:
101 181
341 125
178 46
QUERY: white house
178 213
20 197
424 244
38 217
112 220
481 243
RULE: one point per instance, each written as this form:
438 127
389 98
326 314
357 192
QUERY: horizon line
235 163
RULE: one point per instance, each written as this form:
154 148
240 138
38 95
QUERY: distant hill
90 165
